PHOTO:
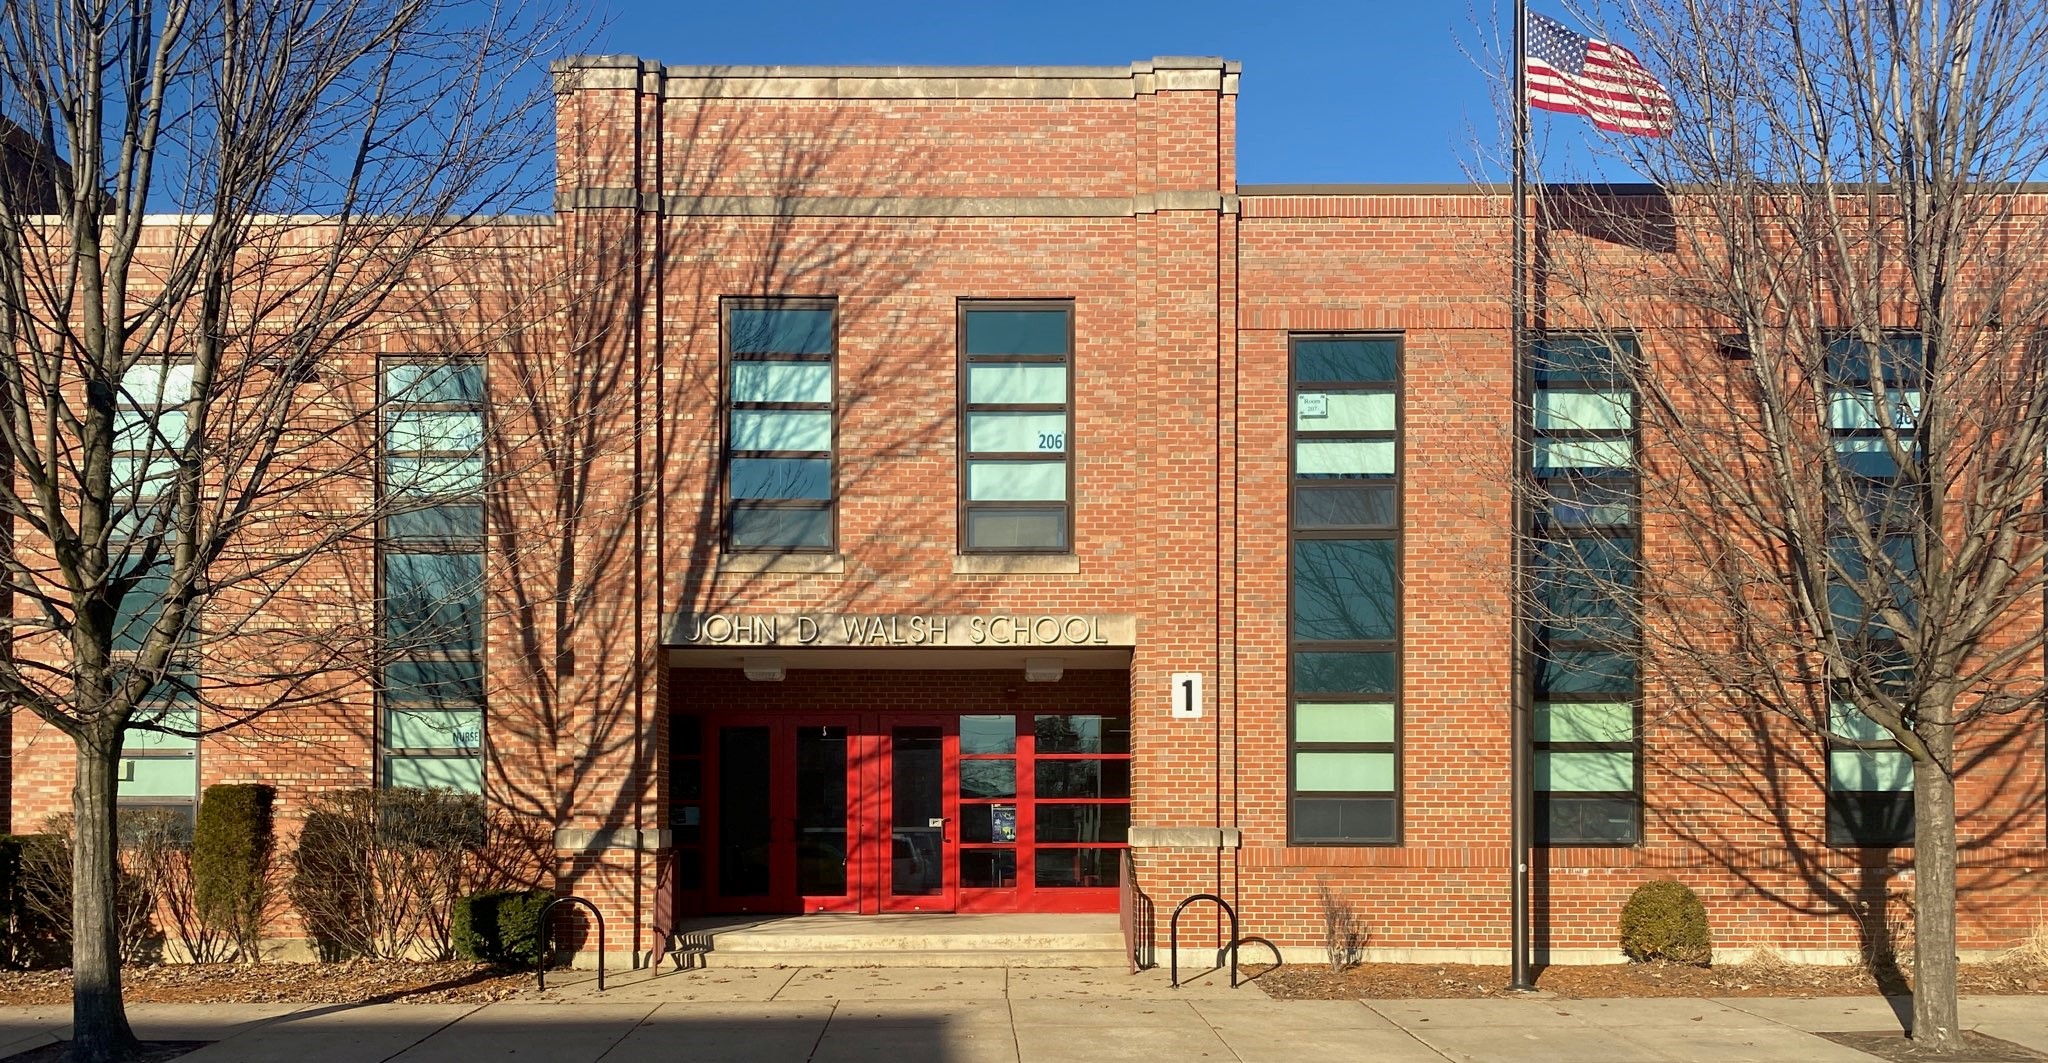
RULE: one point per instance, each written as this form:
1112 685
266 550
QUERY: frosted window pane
781 430
781 382
1584 454
1005 384
1017 433
158 384
1344 457
1585 771
460 774
1603 722
430 729
1341 772
158 777
1371 411
142 430
1016 481
1858 409
1848 721
434 430
1870 769
1592 411
1347 722
135 739
433 476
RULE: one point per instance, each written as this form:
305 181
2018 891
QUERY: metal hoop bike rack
541 969
1173 937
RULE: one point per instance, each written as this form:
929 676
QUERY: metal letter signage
782 630
1187 695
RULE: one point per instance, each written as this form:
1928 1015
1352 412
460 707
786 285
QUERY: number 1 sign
1187 695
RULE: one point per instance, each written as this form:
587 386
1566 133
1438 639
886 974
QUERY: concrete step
1090 958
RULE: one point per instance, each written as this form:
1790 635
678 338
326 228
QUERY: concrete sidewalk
807 1015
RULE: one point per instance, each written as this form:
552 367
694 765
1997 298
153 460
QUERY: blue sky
1372 91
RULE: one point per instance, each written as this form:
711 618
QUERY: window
1870 790
1344 591
781 428
159 770
431 576
1584 569
1047 798
1016 452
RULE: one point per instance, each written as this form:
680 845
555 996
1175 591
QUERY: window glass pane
433 600
1584 672
1344 411
1587 411
1848 721
988 734
1343 673
154 384
1350 359
1082 734
759 528
1016 332
782 382
1344 589
435 522
1016 529
1006 384
140 608
1562 820
433 476
763 330
1584 454
782 478
1344 819
1013 433
1344 457
1857 408
1084 823
988 868
131 477
1344 722
433 729
464 774
455 383
1590 721
988 824
1595 772
1870 819
435 682
136 738
781 430
158 777
1083 778
1895 357
1581 359
1872 458
1342 772
988 778
1869 769
1016 481
455 430
1344 507
1078 868
143 430
1601 501
1586 589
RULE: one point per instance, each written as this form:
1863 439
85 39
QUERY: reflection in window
1016 432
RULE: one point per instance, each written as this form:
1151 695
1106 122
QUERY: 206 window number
1052 441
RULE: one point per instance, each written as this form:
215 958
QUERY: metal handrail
1173 937
541 967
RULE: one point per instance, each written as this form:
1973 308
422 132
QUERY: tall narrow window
1016 454
431 570
152 422
1874 403
781 426
1344 629
1585 576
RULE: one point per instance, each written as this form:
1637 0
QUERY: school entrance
899 791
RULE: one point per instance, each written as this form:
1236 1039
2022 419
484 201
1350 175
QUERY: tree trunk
1935 1022
99 1023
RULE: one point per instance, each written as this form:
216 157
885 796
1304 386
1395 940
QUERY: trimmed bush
1664 920
329 882
231 846
501 926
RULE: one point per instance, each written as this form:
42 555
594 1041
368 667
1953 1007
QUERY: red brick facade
898 193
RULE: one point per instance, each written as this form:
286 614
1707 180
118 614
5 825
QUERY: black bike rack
1173 937
546 938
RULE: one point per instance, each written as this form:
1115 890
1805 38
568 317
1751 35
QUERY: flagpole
1521 793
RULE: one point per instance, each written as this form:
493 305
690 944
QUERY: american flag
1576 74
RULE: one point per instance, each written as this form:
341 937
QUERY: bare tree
1827 307
226 206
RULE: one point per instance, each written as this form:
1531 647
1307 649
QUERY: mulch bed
354 982
1446 980
1977 1048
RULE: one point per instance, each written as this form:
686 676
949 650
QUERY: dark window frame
727 406
963 409
1392 530
388 700
1619 489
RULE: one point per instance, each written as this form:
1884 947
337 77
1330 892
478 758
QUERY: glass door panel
746 823
920 825
823 844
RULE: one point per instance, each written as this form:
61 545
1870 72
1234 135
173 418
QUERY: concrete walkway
807 1015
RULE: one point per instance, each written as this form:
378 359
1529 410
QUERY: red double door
835 813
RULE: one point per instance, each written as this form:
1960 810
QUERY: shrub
1343 931
328 871
1664 920
231 846
41 924
501 926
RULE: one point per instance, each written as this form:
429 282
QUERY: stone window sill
802 564
1016 564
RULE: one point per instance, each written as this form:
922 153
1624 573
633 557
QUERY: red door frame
782 895
883 822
